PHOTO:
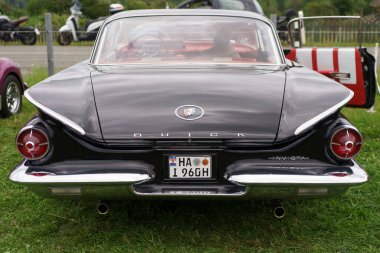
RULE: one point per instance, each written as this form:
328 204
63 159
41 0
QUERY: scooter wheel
28 38
64 38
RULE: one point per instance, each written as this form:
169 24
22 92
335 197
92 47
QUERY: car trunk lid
142 103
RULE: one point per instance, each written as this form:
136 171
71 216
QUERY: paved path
30 56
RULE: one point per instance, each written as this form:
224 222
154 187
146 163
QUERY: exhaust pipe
278 209
102 208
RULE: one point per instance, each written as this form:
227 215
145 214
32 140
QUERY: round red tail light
32 142
346 142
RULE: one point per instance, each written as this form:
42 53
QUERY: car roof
188 12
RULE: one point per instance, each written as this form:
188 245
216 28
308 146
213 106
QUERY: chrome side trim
324 114
55 115
19 175
359 176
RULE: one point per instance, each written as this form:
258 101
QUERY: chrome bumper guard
127 185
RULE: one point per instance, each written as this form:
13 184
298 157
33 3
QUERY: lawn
350 223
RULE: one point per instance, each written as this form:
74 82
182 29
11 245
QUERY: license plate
193 167
37 31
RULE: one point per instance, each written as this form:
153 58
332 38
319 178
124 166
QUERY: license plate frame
212 169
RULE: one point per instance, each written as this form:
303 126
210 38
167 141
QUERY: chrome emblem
189 112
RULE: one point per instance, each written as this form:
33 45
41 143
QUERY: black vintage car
188 104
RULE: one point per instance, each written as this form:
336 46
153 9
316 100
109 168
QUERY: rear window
187 39
232 5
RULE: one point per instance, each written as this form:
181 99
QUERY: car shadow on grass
227 225
196 226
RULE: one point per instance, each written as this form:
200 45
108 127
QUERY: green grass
350 223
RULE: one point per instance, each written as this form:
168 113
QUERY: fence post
377 57
49 43
302 29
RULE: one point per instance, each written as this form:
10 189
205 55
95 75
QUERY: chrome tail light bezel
337 130
41 130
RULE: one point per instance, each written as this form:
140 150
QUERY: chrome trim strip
189 194
19 176
324 114
359 176
190 64
55 115
324 17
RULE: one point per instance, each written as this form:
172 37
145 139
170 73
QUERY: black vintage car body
165 113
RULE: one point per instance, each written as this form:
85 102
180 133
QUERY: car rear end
316 164
153 123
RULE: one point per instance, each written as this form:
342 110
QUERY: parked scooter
282 24
11 30
70 32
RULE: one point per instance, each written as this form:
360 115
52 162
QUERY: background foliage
96 8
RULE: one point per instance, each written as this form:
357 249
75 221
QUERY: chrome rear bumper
358 176
19 175
129 185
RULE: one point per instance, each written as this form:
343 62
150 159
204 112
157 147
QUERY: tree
134 4
322 8
16 3
270 7
158 4
95 9
35 7
90 8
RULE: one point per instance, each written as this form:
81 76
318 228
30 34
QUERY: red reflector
32 143
40 174
346 143
338 174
